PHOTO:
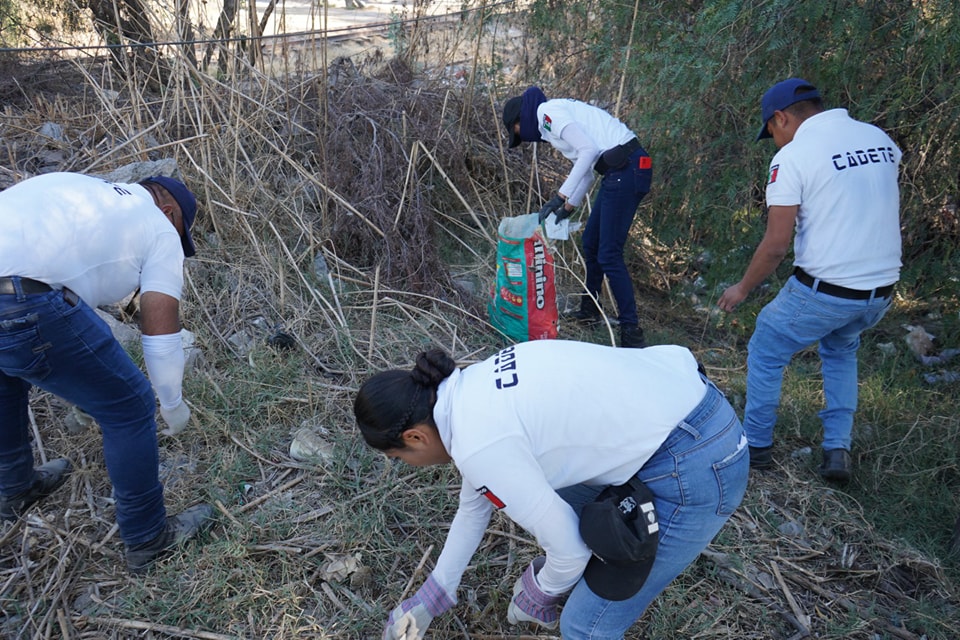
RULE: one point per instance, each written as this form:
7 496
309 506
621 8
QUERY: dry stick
473 70
406 182
373 312
270 494
36 436
109 108
456 191
423 561
272 463
64 626
626 58
313 180
317 296
737 580
153 148
803 618
436 301
158 628
852 608
222 509
113 530
122 145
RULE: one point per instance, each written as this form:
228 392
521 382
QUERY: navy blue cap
782 95
188 208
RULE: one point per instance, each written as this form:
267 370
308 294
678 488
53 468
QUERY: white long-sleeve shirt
544 415
581 132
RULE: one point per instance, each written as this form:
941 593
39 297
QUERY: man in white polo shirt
834 179
71 242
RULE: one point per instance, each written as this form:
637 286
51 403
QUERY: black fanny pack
616 157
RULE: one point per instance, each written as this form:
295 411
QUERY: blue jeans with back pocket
795 319
698 477
66 349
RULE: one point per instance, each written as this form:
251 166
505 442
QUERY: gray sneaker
180 528
46 479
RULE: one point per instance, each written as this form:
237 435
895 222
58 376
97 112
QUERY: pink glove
409 621
529 603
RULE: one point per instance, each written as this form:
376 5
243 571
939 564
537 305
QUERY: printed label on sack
510 297
539 277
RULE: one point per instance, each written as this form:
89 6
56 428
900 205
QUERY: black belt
26 285
836 291
615 157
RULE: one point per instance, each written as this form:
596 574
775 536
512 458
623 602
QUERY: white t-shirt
101 240
843 174
597 129
544 415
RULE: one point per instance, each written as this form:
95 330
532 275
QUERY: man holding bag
593 140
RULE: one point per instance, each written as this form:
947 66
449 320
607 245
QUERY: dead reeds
353 207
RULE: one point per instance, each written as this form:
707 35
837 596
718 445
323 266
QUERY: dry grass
397 180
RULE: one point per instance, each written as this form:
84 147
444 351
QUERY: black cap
511 115
188 208
621 529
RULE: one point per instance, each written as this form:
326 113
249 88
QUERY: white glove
77 420
408 625
409 621
176 418
529 603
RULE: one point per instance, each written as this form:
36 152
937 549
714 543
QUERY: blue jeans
698 477
795 319
605 233
69 351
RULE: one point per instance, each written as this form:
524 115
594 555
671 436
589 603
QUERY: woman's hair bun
432 368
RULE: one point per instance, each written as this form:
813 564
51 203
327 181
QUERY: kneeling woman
537 431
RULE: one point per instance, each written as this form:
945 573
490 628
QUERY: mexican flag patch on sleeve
773 174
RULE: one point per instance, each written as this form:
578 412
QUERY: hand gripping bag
523 304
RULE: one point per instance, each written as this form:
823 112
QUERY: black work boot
836 465
761 458
46 479
179 529
631 336
588 313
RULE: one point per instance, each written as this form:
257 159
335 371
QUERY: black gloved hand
554 205
563 214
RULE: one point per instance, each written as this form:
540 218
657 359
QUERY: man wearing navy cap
70 243
834 179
